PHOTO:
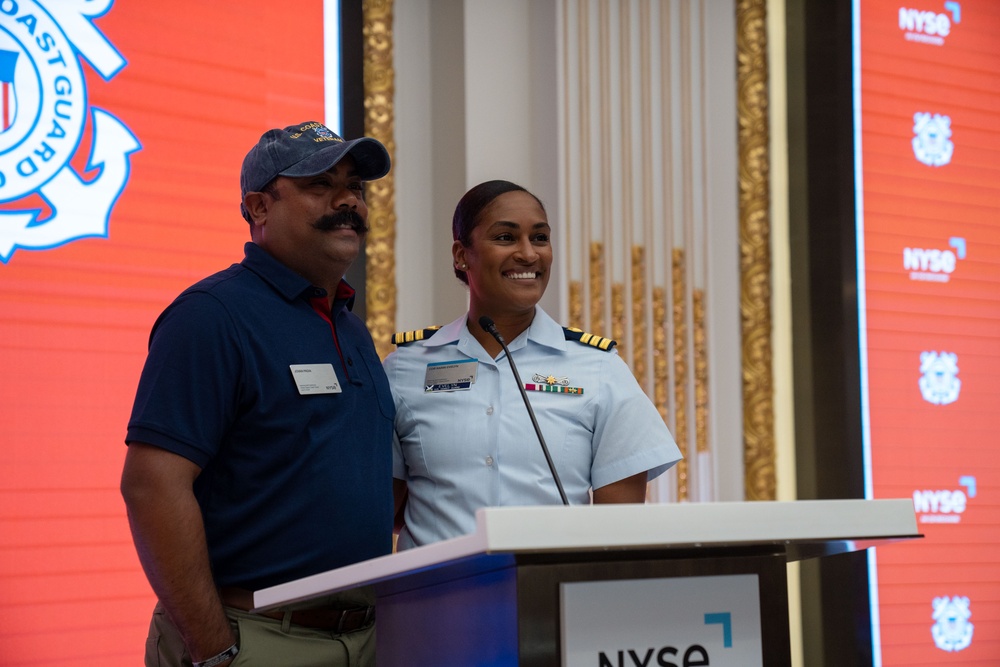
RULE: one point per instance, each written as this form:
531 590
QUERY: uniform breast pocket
444 430
567 425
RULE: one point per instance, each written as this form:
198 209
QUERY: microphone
487 324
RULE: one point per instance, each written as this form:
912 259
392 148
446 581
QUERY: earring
465 266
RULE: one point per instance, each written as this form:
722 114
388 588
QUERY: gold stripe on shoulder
590 339
404 337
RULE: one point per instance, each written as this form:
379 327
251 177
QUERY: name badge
451 375
315 379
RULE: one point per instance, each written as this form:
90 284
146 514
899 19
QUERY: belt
318 618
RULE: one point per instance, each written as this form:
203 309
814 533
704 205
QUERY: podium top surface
804 529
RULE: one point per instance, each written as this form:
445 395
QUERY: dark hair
471 206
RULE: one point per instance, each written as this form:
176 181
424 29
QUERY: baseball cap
307 149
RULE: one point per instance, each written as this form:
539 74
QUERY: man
260 439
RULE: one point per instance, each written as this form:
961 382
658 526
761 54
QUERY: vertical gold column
618 318
700 373
661 355
576 305
755 252
639 330
380 248
680 373
597 287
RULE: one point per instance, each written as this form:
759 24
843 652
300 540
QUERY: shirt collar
286 282
543 330
546 331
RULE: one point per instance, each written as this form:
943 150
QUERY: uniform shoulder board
580 336
404 337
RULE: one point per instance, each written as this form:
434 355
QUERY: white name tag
315 378
451 375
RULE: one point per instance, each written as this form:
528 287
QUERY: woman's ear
458 254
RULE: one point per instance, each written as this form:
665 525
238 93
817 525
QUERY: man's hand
169 536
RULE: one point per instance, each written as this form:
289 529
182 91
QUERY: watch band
230 652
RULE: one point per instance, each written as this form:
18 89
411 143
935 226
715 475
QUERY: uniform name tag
451 375
315 378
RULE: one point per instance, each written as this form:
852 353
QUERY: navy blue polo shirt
291 484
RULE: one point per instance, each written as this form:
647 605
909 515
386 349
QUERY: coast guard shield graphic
44 111
952 630
939 383
931 141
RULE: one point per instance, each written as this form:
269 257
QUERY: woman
464 439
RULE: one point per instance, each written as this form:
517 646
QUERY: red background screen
930 182
202 81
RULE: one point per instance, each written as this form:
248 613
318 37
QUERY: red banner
122 132
930 211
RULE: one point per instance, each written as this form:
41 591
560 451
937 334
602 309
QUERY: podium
604 585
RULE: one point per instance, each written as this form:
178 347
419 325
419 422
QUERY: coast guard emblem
939 383
932 139
952 630
8 99
43 114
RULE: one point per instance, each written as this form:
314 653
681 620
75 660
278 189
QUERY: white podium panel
496 596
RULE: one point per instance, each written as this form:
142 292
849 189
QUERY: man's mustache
340 219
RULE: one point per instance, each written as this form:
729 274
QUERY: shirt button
489 410
489 460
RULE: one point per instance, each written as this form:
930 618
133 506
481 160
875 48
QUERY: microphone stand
487 324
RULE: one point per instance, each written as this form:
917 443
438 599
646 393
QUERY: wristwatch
230 652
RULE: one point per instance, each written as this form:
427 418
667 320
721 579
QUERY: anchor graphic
79 209
38 157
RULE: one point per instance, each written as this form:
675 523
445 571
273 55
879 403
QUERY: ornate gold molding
576 304
639 330
661 358
380 257
755 251
597 288
700 372
680 372
618 318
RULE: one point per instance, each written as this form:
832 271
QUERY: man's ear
256 205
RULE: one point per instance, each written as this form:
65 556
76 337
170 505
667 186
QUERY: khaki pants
266 642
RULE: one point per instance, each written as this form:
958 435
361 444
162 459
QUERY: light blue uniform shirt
459 451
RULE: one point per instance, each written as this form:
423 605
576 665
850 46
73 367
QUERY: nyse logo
934 264
944 505
42 125
667 656
694 655
929 27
